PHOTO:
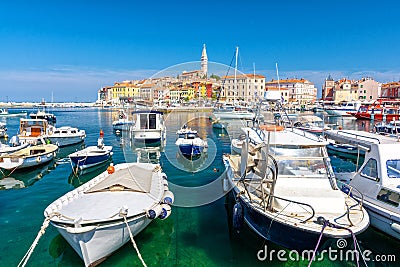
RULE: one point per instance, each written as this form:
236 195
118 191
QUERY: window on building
361 85
370 97
365 91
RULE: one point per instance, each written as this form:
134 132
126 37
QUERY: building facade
246 87
300 91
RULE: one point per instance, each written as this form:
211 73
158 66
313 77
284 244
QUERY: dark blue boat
90 156
189 143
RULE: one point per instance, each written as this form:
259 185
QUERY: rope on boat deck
133 241
325 223
28 254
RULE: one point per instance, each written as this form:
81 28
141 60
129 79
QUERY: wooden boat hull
92 217
20 159
97 243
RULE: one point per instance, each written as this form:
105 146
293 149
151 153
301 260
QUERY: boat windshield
301 162
393 168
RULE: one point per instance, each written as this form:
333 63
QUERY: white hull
147 136
383 220
66 140
92 217
26 158
340 112
96 245
234 115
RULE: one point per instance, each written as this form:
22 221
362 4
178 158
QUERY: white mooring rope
133 241
28 254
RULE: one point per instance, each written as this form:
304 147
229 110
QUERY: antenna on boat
277 74
235 82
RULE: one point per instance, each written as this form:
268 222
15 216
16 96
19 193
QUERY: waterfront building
365 89
391 90
247 87
284 92
327 89
301 91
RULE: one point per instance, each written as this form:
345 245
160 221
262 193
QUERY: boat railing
357 136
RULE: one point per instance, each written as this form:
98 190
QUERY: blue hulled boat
91 156
189 143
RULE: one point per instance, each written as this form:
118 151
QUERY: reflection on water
87 174
25 177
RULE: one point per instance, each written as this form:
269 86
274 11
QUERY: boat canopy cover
135 178
147 111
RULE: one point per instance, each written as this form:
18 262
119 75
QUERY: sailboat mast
235 82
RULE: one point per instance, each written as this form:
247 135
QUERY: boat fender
166 211
225 184
345 189
168 197
38 159
154 213
111 169
395 227
237 217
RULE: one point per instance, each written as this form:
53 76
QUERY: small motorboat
31 156
189 143
65 136
14 145
42 114
91 155
123 123
100 216
4 113
377 182
149 127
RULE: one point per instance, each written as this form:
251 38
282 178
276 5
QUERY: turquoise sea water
198 231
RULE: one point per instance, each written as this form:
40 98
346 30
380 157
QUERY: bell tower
204 61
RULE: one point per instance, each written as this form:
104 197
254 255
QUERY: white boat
14 145
377 183
65 135
42 114
344 109
149 128
123 123
189 143
3 130
5 113
28 157
286 192
90 156
33 130
98 217
232 112
310 123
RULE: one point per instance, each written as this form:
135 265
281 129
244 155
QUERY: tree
213 76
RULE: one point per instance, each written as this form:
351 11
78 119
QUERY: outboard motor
14 141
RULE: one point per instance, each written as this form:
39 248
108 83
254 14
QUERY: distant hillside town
198 85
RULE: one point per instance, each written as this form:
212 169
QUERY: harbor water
199 230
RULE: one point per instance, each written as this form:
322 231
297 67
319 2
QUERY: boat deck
361 138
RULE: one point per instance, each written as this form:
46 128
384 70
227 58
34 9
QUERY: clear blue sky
74 47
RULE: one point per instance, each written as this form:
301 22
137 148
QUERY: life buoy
271 128
38 159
